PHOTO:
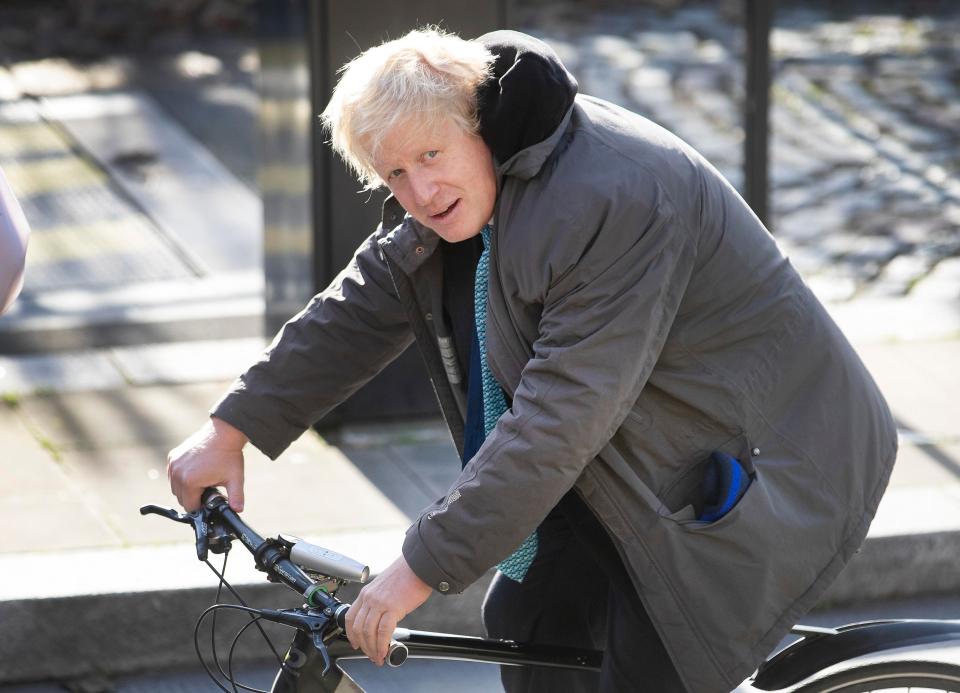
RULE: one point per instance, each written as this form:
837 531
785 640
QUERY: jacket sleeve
346 335
605 319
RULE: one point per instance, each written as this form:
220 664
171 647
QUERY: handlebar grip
208 495
397 652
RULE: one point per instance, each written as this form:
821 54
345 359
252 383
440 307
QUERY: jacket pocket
686 498
728 518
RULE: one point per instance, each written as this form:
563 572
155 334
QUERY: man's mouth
440 216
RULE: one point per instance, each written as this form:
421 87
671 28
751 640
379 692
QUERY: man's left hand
373 617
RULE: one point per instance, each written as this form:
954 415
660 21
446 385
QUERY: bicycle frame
303 665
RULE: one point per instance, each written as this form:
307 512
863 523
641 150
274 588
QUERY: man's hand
373 617
213 456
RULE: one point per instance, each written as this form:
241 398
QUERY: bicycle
855 658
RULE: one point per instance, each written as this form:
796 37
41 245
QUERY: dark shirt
459 270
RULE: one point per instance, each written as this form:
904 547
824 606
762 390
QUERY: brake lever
314 624
321 646
197 518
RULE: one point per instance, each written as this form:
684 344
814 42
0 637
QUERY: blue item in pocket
724 483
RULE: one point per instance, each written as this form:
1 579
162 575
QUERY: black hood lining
527 96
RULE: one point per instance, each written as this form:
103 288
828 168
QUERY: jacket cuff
422 562
237 409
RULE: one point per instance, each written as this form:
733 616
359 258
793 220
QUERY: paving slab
435 465
311 489
128 417
223 306
186 191
74 372
57 521
85 232
873 320
188 362
930 465
918 510
314 489
920 380
39 505
392 479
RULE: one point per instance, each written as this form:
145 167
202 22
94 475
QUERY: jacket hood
526 101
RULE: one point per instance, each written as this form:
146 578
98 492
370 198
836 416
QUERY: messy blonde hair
425 77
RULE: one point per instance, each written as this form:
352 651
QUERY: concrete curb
906 565
108 635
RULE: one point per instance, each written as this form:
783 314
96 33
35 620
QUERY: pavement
137 315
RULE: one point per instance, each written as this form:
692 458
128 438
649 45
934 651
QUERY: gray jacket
639 317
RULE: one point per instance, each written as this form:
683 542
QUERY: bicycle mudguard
820 648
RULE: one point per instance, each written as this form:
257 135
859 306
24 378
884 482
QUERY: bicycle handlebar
268 554
281 559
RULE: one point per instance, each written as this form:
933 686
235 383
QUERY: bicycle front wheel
912 676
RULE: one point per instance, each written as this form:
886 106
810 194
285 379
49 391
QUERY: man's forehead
410 136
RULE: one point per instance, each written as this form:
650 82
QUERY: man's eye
394 173
432 154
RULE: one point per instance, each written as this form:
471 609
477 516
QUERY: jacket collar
409 243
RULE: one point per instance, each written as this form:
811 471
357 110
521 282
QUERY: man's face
443 177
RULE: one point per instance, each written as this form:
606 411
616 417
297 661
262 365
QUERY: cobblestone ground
865 119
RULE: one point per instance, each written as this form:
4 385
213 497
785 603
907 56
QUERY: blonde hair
425 77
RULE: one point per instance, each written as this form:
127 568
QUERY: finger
171 478
190 498
388 624
366 631
352 625
175 486
235 492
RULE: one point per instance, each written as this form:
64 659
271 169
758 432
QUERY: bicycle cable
240 599
236 639
254 619
213 634
196 644
213 625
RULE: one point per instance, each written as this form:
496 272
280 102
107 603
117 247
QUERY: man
670 449
14 233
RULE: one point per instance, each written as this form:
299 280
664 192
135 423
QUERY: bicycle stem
269 554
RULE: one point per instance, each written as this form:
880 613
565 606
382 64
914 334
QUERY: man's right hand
213 456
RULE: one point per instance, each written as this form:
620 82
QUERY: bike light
326 562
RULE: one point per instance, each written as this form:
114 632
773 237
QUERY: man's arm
346 335
14 232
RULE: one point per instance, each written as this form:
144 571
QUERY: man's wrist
228 435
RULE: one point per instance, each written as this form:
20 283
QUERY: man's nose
424 189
